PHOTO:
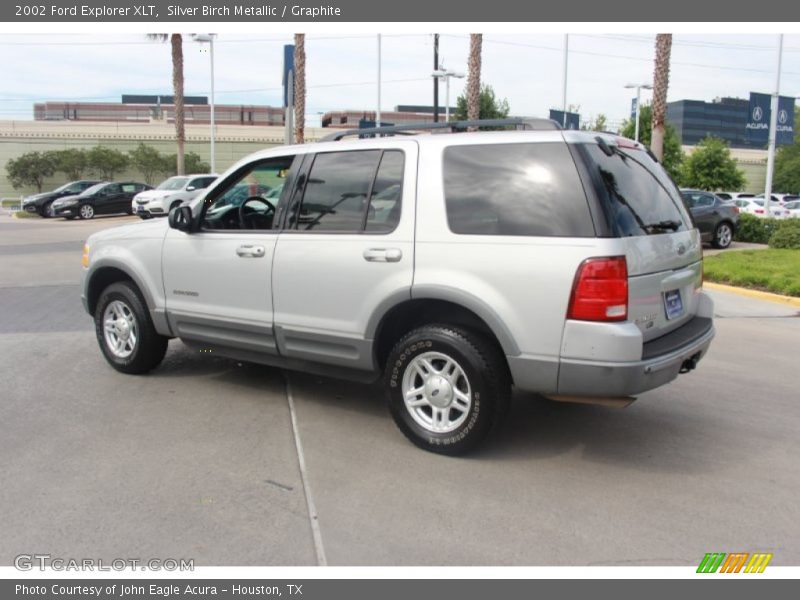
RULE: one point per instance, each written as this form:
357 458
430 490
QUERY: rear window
515 189
636 194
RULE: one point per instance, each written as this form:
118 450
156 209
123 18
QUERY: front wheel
723 236
125 331
47 210
86 211
446 388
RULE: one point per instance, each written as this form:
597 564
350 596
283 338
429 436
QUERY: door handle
383 254
250 251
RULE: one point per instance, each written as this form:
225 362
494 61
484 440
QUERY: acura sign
759 118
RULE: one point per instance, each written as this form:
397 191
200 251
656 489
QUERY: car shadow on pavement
654 434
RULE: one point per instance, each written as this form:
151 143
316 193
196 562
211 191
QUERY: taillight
735 210
759 211
600 290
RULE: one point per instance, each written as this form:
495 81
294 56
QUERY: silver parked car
454 266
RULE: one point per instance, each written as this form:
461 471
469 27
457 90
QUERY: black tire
44 212
150 347
175 204
723 235
86 211
483 367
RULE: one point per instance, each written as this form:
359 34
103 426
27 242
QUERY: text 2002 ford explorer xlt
453 265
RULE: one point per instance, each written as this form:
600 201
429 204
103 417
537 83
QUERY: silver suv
455 266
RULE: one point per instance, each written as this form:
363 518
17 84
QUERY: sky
342 69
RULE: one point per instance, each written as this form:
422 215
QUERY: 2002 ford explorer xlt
455 265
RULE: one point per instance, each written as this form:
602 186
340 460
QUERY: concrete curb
785 300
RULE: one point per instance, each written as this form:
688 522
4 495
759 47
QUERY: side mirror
180 218
191 188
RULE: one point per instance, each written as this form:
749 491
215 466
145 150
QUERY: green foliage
787 164
106 162
787 235
73 162
673 155
772 270
30 169
711 167
754 230
490 106
600 123
192 163
150 162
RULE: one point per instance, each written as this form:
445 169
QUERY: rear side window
383 214
636 194
515 189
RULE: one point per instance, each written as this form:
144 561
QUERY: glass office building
724 118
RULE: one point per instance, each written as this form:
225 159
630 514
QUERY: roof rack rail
453 126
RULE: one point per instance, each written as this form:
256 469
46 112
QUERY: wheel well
414 313
101 279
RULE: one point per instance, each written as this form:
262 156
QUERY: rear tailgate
638 204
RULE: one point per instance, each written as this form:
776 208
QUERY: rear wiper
663 225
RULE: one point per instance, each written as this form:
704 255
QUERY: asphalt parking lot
199 459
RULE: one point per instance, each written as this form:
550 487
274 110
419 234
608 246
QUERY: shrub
754 230
787 235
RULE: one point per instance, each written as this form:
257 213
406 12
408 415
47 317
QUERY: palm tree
299 87
176 41
474 77
660 85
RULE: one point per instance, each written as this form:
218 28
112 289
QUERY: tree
474 77
490 106
673 155
176 43
787 164
660 86
600 123
150 162
30 169
73 162
194 164
299 87
106 162
711 167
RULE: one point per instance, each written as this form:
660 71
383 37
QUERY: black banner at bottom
733 588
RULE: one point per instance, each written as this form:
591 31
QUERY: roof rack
453 126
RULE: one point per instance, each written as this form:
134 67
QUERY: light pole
564 89
639 87
378 112
203 38
773 131
440 73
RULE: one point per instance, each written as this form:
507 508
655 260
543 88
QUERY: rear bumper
612 379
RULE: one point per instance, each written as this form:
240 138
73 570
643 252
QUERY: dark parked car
41 203
716 219
103 198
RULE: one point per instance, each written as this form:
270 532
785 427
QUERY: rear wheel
86 211
125 330
723 235
446 388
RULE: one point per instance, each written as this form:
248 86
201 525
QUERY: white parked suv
455 266
170 193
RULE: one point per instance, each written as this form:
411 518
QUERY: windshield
173 183
72 187
637 195
93 189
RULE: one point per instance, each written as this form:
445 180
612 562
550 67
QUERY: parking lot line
312 510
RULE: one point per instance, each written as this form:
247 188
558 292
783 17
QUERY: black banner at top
152 11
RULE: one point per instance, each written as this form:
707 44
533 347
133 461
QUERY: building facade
724 118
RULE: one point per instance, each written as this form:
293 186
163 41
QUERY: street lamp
440 73
209 38
639 87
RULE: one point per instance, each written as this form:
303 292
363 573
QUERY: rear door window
636 194
515 189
